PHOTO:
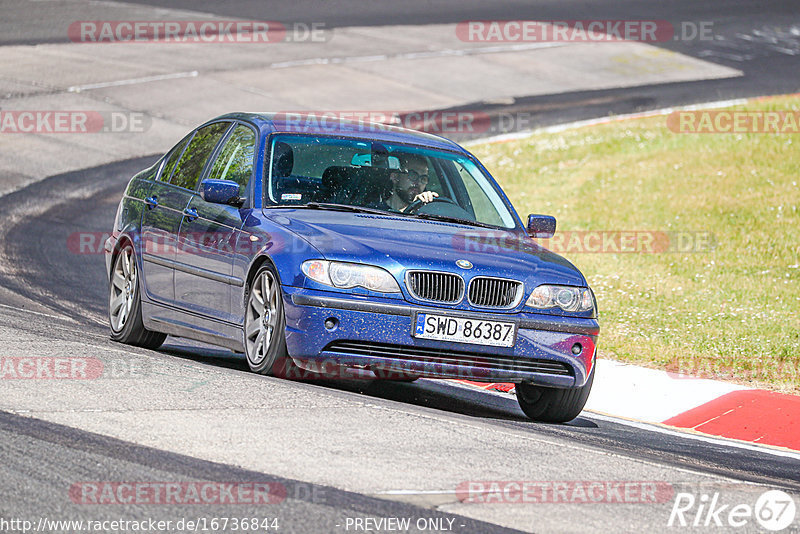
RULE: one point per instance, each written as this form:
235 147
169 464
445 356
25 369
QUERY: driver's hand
426 196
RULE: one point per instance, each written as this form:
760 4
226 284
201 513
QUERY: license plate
462 330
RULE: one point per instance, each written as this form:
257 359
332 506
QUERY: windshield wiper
342 207
361 209
457 220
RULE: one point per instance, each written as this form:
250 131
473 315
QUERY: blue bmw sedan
336 247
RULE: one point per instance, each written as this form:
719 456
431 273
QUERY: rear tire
125 303
553 405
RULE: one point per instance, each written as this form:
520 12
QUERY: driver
409 183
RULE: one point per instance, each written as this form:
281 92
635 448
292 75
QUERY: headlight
350 275
569 299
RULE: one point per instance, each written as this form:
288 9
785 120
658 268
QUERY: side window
482 205
235 160
173 159
191 164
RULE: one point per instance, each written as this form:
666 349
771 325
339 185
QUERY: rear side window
191 164
173 159
235 160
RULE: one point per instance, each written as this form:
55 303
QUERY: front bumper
375 333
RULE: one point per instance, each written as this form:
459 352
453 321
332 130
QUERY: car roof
332 125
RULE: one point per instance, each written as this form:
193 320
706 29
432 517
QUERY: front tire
265 325
553 405
125 303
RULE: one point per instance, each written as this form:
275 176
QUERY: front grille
488 292
437 361
435 287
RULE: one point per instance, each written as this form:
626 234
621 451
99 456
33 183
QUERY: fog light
331 323
576 349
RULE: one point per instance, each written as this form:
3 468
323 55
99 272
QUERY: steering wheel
417 204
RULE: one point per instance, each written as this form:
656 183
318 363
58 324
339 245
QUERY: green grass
732 312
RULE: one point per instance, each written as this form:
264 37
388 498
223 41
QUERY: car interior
365 180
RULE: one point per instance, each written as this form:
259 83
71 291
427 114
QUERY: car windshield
328 172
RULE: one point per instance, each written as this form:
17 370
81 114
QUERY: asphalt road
759 37
42 459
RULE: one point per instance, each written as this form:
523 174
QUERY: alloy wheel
262 317
124 284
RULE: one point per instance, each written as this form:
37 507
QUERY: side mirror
541 226
221 192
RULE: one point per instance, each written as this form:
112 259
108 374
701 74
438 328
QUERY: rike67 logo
774 510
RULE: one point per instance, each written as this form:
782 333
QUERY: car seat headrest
282 160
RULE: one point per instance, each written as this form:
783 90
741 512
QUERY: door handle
190 214
151 202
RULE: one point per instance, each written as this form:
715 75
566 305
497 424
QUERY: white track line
695 436
49 316
658 427
448 52
415 492
132 81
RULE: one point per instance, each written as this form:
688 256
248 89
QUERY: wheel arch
122 238
257 263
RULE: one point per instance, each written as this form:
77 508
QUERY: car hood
399 243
